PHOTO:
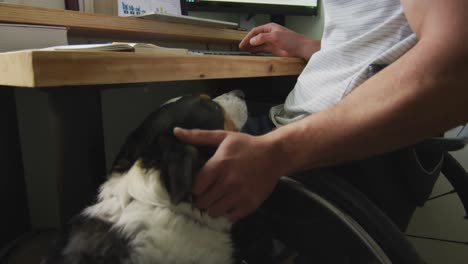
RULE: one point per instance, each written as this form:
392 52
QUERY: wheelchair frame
347 208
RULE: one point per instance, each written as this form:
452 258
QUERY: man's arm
423 93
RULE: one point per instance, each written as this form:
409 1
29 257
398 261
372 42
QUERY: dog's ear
180 162
127 155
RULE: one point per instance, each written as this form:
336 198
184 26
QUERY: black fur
103 245
154 144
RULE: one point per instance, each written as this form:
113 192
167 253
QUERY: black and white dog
144 213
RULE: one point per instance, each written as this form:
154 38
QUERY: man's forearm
307 48
423 93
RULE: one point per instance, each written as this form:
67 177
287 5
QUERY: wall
311 26
124 109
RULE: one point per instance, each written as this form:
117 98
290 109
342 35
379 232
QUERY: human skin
280 41
421 94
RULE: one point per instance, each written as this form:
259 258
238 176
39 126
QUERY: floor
442 218
32 248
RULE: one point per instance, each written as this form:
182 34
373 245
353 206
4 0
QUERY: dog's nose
238 93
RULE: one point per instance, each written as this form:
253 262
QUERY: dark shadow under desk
15 217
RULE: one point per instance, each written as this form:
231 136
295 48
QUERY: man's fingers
246 41
200 137
211 195
264 43
205 179
259 40
238 214
223 206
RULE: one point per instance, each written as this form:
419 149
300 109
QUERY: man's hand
239 177
280 41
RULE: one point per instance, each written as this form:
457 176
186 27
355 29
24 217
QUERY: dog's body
144 213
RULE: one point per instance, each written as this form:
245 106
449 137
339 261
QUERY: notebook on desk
123 47
150 48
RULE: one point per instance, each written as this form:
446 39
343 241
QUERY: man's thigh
258 125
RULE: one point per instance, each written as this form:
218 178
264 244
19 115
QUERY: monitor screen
276 7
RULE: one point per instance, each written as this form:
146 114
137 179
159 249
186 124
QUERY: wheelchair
327 220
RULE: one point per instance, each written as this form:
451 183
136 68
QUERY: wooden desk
65 146
101 25
64 68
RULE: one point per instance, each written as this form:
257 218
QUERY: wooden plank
62 68
16 69
102 25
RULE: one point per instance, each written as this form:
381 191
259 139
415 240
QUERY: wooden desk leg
15 219
63 151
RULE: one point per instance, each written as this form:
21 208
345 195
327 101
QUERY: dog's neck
138 206
145 187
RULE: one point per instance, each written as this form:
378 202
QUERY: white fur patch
139 207
171 101
235 107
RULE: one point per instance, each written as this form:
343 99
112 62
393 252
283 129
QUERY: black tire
327 220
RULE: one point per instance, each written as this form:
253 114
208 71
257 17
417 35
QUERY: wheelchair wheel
327 220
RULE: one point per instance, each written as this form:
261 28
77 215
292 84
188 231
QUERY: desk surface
129 28
65 68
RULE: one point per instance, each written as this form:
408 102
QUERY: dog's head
155 146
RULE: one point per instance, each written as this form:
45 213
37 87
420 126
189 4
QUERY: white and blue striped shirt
357 33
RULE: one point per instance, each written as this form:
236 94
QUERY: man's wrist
307 48
280 152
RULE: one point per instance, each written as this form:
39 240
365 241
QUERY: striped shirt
357 33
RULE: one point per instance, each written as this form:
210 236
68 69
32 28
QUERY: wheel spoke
438 239
441 195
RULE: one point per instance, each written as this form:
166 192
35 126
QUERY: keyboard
228 53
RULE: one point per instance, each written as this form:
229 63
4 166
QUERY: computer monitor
272 7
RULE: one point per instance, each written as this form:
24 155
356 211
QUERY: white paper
141 7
